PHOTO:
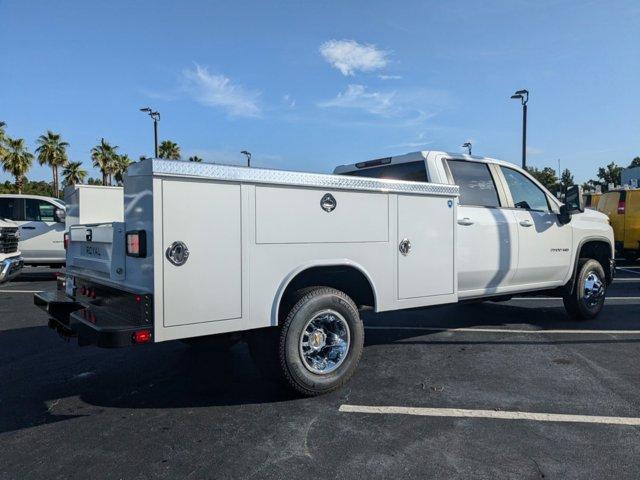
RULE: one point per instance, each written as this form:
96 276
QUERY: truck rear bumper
10 267
91 325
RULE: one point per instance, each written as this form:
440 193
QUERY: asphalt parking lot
509 390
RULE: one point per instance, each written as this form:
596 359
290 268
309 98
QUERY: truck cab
41 221
512 233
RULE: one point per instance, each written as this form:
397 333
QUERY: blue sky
309 85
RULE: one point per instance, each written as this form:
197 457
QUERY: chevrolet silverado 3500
209 250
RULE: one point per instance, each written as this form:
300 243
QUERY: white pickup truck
10 259
209 250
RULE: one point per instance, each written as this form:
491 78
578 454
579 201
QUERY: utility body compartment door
425 246
206 218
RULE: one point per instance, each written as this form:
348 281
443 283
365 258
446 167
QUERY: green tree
546 176
73 173
635 162
122 165
195 158
3 141
94 181
610 174
17 160
104 156
52 151
566 180
169 150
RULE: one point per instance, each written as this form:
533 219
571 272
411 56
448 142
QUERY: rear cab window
410 171
477 187
11 208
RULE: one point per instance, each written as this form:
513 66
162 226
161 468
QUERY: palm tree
17 160
52 151
3 140
122 164
195 158
169 150
104 157
73 173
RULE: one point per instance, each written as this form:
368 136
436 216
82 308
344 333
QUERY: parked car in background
591 200
10 259
623 209
41 224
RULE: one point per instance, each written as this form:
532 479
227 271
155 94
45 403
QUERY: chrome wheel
593 289
324 342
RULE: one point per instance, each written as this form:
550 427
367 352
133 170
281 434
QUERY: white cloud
349 56
358 97
218 91
291 103
390 77
412 104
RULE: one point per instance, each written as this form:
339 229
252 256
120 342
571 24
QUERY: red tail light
137 243
622 206
142 336
67 239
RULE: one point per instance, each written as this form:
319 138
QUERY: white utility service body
208 249
93 204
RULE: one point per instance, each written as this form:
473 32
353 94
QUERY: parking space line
493 414
21 291
628 270
505 330
560 298
616 280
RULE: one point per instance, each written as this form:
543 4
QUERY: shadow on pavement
42 375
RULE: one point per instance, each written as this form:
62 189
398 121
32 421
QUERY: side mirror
574 200
60 214
573 203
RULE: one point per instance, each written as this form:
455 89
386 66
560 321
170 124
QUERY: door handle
526 223
465 221
28 228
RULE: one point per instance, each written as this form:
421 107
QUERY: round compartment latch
177 253
405 247
328 202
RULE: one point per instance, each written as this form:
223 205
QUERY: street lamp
156 118
523 95
467 145
248 154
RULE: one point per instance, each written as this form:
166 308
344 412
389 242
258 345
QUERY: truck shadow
47 381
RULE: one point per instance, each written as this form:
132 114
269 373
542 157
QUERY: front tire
321 341
586 299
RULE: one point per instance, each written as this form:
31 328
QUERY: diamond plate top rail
303 179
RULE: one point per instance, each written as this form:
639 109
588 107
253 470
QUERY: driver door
545 244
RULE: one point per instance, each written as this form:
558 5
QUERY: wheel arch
597 248
345 275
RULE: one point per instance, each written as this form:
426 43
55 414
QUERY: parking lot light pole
248 154
156 118
467 145
523 95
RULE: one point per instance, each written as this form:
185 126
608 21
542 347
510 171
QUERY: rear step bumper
91 325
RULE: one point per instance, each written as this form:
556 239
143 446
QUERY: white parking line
495 414
616 280
560 298
21 291
628 270
505 330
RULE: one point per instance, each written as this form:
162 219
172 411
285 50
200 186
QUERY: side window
475 182
10 208
411 171
39 211
525 193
